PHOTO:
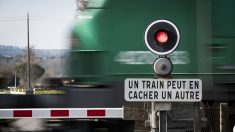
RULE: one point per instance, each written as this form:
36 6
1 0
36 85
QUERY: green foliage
36 71
22 71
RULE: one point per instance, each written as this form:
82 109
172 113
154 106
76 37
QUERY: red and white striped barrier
62 113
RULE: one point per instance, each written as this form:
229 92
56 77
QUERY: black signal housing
166 44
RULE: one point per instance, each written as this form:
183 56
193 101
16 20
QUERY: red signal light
161 37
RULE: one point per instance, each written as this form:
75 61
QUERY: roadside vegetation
14 72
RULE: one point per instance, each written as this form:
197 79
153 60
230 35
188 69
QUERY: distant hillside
10 50
45 53
51 52
52 60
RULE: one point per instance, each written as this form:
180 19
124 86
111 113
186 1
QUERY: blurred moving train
108 41
108 45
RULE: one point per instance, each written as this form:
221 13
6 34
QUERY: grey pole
29 90
163 121
197 117
223 117
153 119
15 78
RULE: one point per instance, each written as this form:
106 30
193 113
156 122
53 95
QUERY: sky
50 23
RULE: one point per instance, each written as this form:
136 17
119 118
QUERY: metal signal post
161 38
162 68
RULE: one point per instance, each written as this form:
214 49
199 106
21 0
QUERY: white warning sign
163 90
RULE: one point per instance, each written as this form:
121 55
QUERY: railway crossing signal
162 37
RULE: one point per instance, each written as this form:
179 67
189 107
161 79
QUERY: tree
5 77
6 73
37 71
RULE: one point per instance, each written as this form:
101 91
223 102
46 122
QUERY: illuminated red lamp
161 37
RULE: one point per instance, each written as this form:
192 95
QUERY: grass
49 92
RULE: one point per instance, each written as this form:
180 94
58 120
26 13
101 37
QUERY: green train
108 40
111 42
107 44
